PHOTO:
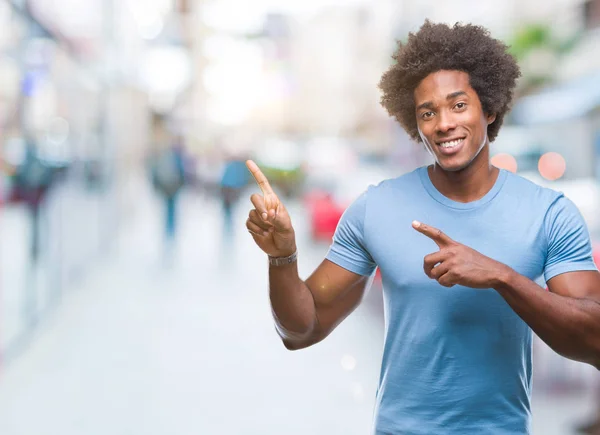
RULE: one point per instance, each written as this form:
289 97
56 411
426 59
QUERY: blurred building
562 115
291 70
71 89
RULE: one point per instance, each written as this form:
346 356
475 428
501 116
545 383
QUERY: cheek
484 128
478 124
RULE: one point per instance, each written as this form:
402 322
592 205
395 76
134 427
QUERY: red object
377 280
596 254
325 214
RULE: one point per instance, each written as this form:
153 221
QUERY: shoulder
403 183
528 193
555 210
379 194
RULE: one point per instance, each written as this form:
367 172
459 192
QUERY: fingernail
265 233
265 216
416 224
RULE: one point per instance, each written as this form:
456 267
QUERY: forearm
292 303
570 326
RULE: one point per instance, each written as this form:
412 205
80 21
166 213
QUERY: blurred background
132 299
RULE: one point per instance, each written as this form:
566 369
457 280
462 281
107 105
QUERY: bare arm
304 312
567 318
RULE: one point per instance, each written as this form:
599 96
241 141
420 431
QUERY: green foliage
539 35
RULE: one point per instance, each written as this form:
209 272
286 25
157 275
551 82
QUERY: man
459 245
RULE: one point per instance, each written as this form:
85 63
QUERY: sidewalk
140 348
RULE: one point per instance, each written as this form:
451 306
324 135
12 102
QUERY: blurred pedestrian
233 180
459 244
168 177
32 180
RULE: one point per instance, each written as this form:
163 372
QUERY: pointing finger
260 178
434 234
259 204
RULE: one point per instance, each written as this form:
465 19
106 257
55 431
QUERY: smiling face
450 119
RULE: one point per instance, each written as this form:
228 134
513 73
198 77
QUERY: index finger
439 237
259 177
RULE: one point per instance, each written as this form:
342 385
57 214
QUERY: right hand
269 222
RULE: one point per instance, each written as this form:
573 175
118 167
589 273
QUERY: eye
427 115
461 105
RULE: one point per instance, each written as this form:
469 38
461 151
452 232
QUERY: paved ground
144 347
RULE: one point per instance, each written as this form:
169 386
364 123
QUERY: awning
560 103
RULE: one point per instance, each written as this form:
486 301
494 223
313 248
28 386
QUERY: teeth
451 143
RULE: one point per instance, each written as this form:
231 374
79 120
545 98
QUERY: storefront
56 196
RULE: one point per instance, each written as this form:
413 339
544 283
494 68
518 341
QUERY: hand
457 264
269 222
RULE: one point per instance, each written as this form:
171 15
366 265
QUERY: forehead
439 84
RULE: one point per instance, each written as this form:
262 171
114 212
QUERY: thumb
280 219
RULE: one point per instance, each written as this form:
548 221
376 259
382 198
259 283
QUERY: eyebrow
429 104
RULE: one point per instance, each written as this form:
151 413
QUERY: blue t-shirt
457 360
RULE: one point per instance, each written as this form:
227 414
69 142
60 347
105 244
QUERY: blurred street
132 299
189 348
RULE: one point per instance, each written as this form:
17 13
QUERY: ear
491 118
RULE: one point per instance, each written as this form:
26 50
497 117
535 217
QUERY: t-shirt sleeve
569 245
348 247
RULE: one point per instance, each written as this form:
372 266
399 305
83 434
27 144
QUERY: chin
452 165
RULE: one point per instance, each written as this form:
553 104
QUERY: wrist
503 277
284 252
283 260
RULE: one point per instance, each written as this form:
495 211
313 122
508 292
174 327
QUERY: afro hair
493 72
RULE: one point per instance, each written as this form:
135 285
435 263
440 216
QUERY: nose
446 123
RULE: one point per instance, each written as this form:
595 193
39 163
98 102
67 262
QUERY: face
450 119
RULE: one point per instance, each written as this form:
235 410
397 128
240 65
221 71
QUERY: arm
306 312
567 318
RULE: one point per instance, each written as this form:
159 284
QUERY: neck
468 184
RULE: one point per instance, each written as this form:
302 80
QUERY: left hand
457 264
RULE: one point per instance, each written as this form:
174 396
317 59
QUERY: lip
454 150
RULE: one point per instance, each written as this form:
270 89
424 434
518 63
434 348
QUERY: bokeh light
505 161
552 166
358 392
348 363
